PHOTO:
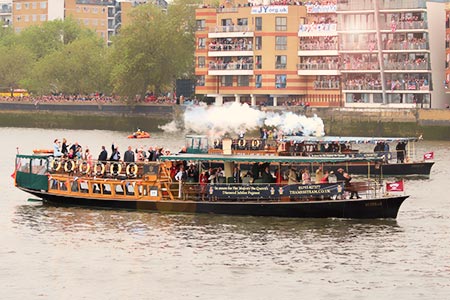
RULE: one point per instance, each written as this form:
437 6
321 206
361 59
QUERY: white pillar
219 100
275 101
237 98
253 99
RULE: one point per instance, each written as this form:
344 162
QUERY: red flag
428 155
394 186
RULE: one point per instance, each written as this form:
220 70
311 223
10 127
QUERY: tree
154 50
80 67
15 64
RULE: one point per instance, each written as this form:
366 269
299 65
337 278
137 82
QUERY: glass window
280 81
258 24
258 62
200 24
242 22
201 61
26 5
201 43
280 61
26 18
43 18
258 81
280 23
201 80
18 6
227 80
34 5
281 42
258 43
34 18
244 80
43 5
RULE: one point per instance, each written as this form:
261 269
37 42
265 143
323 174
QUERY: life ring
71 168
56 164
98 172
132 170
241 143
84 167
255 143
113 170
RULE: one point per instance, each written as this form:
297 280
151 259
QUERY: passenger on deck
306 177
56 151
292 176
319 174
266 176
103 156
128 155
115 155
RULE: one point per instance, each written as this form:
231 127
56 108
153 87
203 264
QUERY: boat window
96 188
53 184
84 187
119 189
38 166
106 188
142 190
130 189
62 186
75 187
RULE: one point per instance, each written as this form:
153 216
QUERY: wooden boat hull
386 207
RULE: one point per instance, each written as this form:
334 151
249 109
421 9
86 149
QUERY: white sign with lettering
275 9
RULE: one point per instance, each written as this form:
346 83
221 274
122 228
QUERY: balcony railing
230 28
96 2
406 45
368 5
231 47
326 84
316 46
315 28
318 66
231 66
423 65
363 46
406 25
361 66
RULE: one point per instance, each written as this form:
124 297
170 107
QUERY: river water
73 253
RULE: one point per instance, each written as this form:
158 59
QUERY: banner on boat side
268 191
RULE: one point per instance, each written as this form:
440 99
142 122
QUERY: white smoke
233 118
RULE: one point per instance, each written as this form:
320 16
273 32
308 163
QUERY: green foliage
155 50
15 61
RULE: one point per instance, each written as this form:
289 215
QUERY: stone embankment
432 124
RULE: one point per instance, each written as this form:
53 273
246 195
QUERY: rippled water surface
74 253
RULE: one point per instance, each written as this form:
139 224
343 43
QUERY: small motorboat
139 135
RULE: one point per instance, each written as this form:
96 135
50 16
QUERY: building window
43 5
258 24
26 18
34 5
26 5
18 6
258 64
243 80
280 61
43 18
258 81
280 23
242 22
34 18
280 81
201 62
227 80
95 10
258 43
200 80
281 42
201 24
201 43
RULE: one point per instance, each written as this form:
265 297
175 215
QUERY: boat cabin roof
346 139
267 158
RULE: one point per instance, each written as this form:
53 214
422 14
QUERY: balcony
223 48
407 66
230 68
358 67
230 31
325 29
318 69
405 26
359 47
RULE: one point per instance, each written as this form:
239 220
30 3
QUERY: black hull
387 207
421 169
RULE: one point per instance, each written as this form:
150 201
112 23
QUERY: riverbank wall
432 124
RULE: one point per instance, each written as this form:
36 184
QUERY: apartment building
102 16
348 53
5 13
